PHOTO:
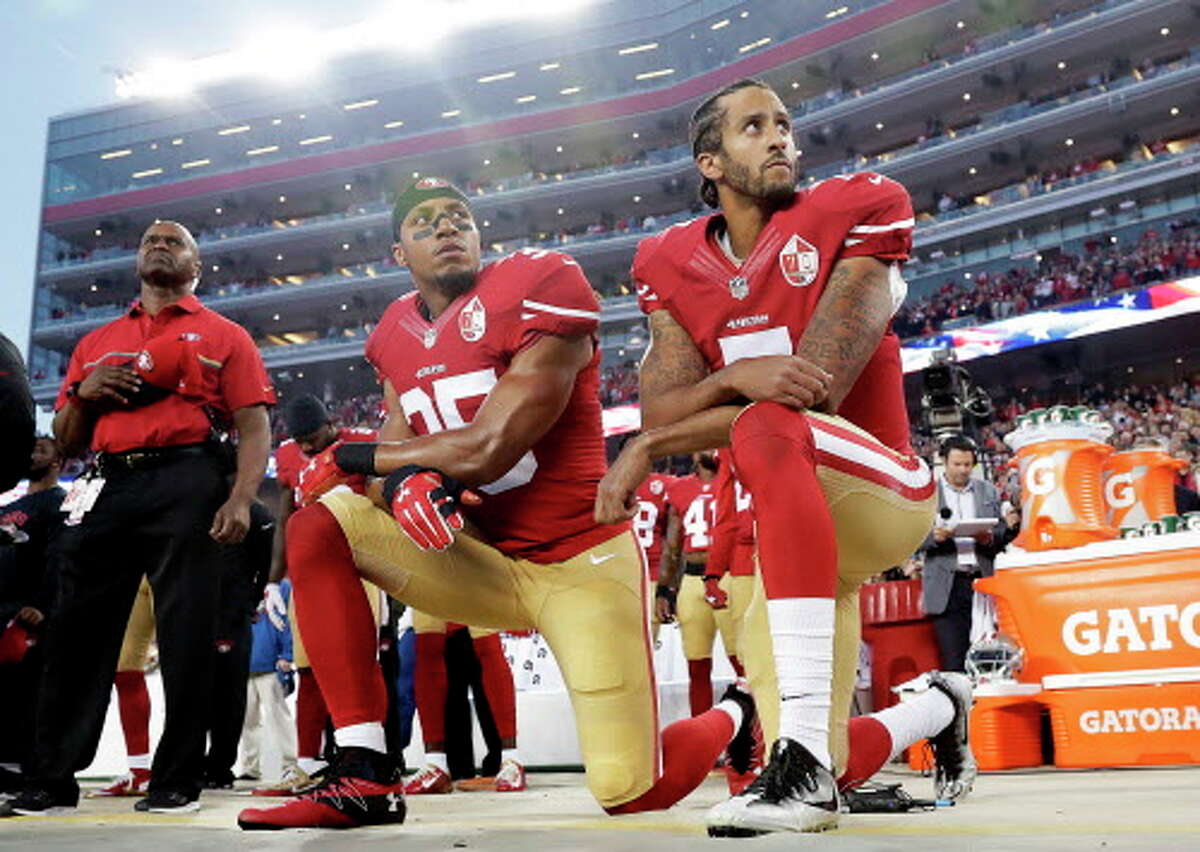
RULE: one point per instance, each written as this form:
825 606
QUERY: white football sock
139 761
438 759
802 636
363 735
510 754
923 716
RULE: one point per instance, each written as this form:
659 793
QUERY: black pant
953 626
154 523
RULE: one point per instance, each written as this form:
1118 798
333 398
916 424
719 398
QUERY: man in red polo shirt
148 393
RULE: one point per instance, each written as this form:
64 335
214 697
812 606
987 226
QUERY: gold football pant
591 609
699 622
877 527
139 632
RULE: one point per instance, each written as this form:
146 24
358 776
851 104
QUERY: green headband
423 190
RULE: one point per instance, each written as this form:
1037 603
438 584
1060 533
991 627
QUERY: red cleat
134 783
510 778
364 789
429 781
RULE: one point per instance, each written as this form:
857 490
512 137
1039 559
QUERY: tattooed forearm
849 322
672 360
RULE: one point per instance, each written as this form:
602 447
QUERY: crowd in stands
1102 268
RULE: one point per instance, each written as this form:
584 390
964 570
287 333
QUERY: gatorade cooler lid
1035 429
1015 557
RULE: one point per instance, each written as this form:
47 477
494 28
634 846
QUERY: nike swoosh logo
600 560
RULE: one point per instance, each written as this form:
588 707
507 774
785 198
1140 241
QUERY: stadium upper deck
578 145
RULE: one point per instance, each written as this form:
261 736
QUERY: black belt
970 575
695 570
146 458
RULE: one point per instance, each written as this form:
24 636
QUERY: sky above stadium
60 56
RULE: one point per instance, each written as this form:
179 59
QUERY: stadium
1051 151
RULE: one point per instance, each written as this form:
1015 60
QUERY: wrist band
356 457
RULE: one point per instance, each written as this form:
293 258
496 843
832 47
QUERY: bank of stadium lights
958 25
231 131
795 84
744 15
276 121
558 148
879 125
754 45
549 66
1175 110
972 171
113 155
837 13
495 78
1165 31
289 55
635 135
650 75
98 232
638 48
571 90
315 140
283 199
560 211
392 125
363 104
1068 141
1061 66
874 56
265 149
218 210
525 99
345 247
452 113
145 173
195 164
719 25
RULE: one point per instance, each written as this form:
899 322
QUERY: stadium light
721 24
291 55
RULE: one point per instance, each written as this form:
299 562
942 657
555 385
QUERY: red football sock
498 684
339 629
133 700
870 749
430 685
690 748
738 668
776 459
311 714
700 691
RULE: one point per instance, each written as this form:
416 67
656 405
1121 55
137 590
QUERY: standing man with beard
147 392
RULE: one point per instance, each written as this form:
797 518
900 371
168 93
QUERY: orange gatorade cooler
1006 726
1060 453
1147 725
1139 486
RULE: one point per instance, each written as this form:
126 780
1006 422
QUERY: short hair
704 130
304 415
58 453
962 443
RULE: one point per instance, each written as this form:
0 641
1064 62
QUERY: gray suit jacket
941 559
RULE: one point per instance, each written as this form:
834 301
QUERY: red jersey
763 306
732 548
650 522
443 370
290 459
231 375
692 500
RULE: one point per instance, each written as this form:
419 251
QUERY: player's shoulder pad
524 270
669 243
849 192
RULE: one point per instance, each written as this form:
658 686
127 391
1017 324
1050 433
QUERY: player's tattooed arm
850 320
670 570
673 375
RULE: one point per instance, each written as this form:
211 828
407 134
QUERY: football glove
322 475
714 595
425 503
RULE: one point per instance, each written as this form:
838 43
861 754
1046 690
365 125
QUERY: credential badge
799 261
472 320
739 287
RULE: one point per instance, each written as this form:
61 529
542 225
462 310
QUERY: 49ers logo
799 261
472 320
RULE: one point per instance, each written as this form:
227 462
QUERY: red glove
714 595
425 504
322 475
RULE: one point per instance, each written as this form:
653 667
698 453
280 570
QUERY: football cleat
793 793
744 754
510 778
294 782
363 788
954 764
134 783
430 781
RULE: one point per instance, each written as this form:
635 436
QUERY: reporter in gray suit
952 564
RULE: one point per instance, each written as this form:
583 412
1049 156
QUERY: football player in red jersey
490 380
783 300
700 608
312 431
